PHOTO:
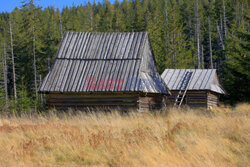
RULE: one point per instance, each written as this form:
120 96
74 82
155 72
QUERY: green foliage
24 102
237 68
171 24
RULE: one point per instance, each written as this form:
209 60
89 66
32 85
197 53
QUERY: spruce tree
236 72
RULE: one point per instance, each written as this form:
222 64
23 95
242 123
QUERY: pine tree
118 19
4 96
107 12
179 48
236 70
183 34
127 10
154 27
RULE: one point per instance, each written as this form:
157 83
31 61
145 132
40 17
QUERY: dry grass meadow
173 138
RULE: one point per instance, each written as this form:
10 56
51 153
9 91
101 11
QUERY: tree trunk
202 57
40 78
242 16
13 63
60 25
167 38
197 32
220 36
221 28
91 19
174 50
224 18
237 13
5 74
48 61
34 66
34 61
210 44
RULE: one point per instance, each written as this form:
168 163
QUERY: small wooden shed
203 88
104 70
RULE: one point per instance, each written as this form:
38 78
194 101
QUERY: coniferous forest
183 34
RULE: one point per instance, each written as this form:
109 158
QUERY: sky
9 5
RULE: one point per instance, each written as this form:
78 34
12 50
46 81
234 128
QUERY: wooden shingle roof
202 79
109 62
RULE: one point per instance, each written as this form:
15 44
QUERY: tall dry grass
179 138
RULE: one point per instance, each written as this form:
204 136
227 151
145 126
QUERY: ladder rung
184 85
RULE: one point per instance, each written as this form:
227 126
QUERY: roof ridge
189 69
94 59
106 32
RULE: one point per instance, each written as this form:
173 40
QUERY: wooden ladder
183 89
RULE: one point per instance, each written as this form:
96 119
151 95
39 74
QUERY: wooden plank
92 104
91 100
92 96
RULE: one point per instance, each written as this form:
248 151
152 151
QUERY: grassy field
172 138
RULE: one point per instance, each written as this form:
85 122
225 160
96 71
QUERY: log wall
196 99
151 102
106 101
212 99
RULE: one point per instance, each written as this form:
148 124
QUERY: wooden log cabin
203 89
102 71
